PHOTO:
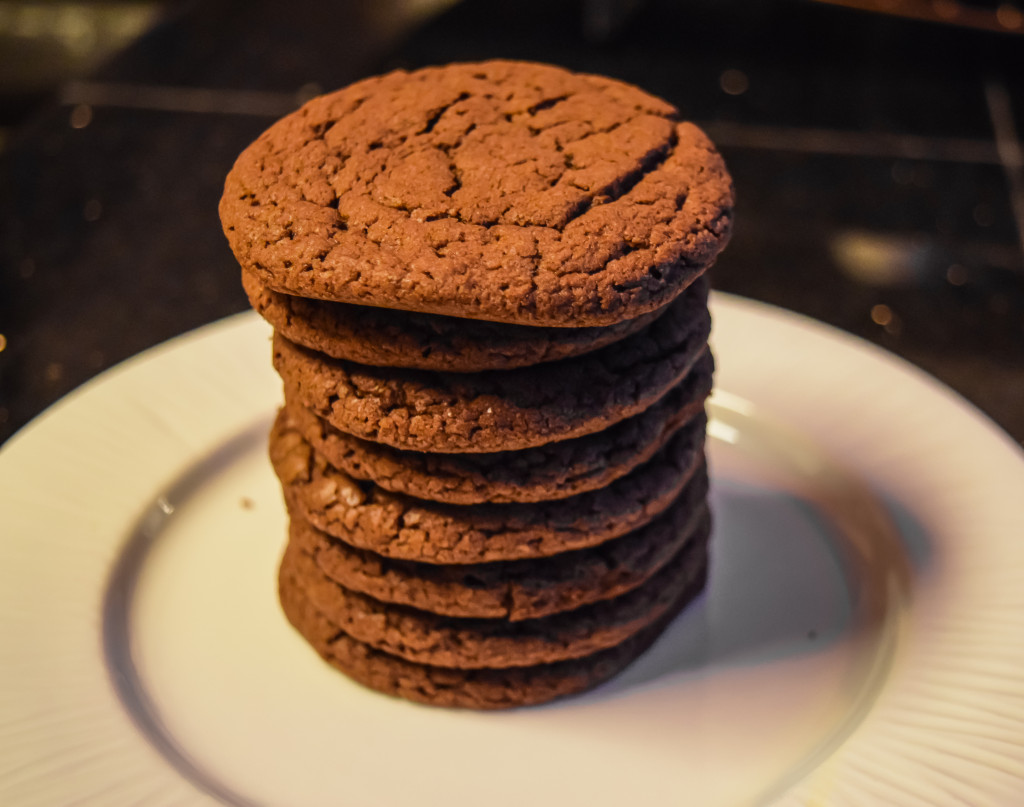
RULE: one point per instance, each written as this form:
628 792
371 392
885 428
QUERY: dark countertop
877 163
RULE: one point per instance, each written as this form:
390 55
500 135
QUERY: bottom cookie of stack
483 659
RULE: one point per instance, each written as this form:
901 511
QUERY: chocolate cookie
504 191
426 638
387 338
366 516
552 471
515 590
473 689
501 410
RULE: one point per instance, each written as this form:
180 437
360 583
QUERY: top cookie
505 191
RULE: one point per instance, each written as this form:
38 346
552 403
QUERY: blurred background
875 148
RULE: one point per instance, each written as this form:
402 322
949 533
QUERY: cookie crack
616 190
334 638
547 103
456 180
508 599
320 130
650 163
437 114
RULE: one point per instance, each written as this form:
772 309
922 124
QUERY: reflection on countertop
877 161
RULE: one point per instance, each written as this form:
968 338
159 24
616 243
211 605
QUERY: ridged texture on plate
945 728
65 736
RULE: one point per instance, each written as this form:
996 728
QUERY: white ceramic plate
861 641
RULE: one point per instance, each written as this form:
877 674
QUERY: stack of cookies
486 284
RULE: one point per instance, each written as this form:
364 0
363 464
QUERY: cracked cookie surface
552 471
473 689
505 191
514 590
501 410
397 526
426 638
386 338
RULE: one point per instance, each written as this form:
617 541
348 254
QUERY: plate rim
853 767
